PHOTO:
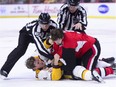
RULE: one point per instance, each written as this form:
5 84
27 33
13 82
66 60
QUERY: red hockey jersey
81 42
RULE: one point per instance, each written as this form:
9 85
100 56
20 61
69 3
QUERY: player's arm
48 43
56 71
53 73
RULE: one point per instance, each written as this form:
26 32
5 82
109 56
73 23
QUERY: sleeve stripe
38 43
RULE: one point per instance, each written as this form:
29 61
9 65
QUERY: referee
72 16
34 32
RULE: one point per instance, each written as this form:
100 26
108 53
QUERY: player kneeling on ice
78 49
87 50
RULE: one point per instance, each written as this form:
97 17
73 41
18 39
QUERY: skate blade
97 77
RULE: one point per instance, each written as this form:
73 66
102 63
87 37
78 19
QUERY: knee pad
82 72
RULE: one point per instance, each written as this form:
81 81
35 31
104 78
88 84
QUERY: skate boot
97 77
114 67
3 74
108 60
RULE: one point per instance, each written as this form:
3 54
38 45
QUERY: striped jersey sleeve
39 36
39 44
66 20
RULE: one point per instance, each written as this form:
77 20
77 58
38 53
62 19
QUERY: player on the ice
86 51
77 49
80 47
34 32
55 71
72 16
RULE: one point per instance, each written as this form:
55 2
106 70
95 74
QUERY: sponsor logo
103 9
2 10
18 9
39 9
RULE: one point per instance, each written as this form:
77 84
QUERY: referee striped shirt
35 31
66 20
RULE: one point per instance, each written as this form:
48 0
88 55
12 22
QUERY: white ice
20 76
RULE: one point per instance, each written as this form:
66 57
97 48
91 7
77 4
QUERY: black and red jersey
81 42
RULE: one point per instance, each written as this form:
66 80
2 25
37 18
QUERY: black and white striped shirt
36 32
66 19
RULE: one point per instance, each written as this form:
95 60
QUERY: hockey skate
108 60
114 67
97 77
3 74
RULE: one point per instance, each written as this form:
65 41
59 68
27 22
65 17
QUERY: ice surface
20 76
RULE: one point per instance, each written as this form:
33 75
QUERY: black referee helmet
73 2
44 18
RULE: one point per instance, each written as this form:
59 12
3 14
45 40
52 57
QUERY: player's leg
106 68
90 58
108 60
96 74
69 56
84 74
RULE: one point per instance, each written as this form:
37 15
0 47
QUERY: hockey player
77 49
80 47
55 72
34 32
41 67
38 62
72 16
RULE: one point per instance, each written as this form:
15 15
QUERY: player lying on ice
55 72
80 52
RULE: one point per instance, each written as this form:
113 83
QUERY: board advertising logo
2 10
103 9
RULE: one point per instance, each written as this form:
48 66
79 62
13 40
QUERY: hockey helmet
44 18
73 2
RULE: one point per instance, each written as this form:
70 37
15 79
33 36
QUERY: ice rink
20 76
